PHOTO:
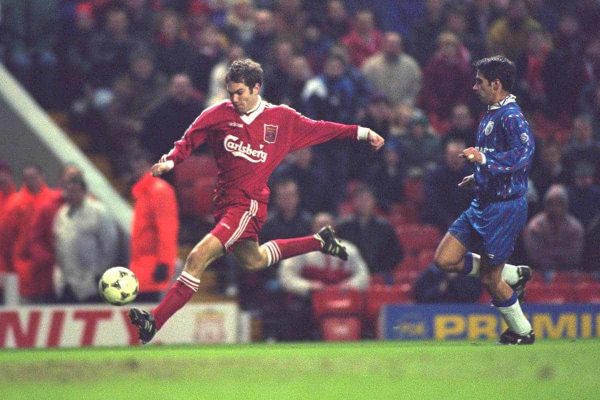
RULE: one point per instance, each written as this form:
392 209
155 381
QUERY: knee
195 263
444 262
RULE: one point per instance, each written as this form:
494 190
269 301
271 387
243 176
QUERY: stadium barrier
481 322
102 325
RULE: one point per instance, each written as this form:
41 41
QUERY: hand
375 141
161 273
162 166
472 155
467 181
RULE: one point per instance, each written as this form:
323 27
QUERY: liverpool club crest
271 133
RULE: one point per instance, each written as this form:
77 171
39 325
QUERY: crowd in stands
133 74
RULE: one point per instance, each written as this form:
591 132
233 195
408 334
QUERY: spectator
141 18
436 286
277 73
554 238
387 177
420 148
173 53
163 123
41 244
15 227
86 239
589 103
206 53
263 38
154 231
508 34
462 125
315 45
583 146
375 237
299 73
290 20
444 199
584 194
455 21
331 96
379 116
447 79
313 191
30 35
427 30
530 85
364 40
110 50
392 72
77 62
565 60
260 290
303 275
239 21
337 23
135 93
216 88
402 114
550 168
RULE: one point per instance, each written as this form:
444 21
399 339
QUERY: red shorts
239 220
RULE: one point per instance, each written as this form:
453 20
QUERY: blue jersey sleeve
520 143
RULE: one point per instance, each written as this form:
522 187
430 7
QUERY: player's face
243 98
484 89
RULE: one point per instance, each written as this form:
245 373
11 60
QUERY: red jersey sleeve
195 134
308 132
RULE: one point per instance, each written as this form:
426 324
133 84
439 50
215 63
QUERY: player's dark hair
246 71
497 67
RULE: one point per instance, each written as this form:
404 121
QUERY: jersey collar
511 98
249 117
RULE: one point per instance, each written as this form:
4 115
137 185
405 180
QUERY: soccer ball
118 286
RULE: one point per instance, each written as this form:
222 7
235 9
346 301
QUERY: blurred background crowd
125 78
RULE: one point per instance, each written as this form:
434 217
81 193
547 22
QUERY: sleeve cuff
483 159
170 163
363 133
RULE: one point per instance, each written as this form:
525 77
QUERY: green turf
368 370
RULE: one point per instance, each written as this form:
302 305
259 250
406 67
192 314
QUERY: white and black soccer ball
118 286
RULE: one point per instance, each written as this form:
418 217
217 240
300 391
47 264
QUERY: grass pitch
365 370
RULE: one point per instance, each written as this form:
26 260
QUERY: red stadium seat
403 213
416 237
341 329
379 295
552 293
588 292
337 302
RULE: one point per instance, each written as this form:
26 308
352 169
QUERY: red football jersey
248 148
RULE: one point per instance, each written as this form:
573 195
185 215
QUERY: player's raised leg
255 257
201 256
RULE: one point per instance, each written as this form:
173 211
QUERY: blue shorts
492 228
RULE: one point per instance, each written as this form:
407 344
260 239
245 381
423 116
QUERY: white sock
515 319
510 274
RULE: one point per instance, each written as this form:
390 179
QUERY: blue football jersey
504 136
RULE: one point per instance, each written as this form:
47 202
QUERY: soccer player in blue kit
501 161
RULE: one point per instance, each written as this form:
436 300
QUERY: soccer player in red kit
249 138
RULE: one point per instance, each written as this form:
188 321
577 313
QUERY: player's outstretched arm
375 141
162 166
